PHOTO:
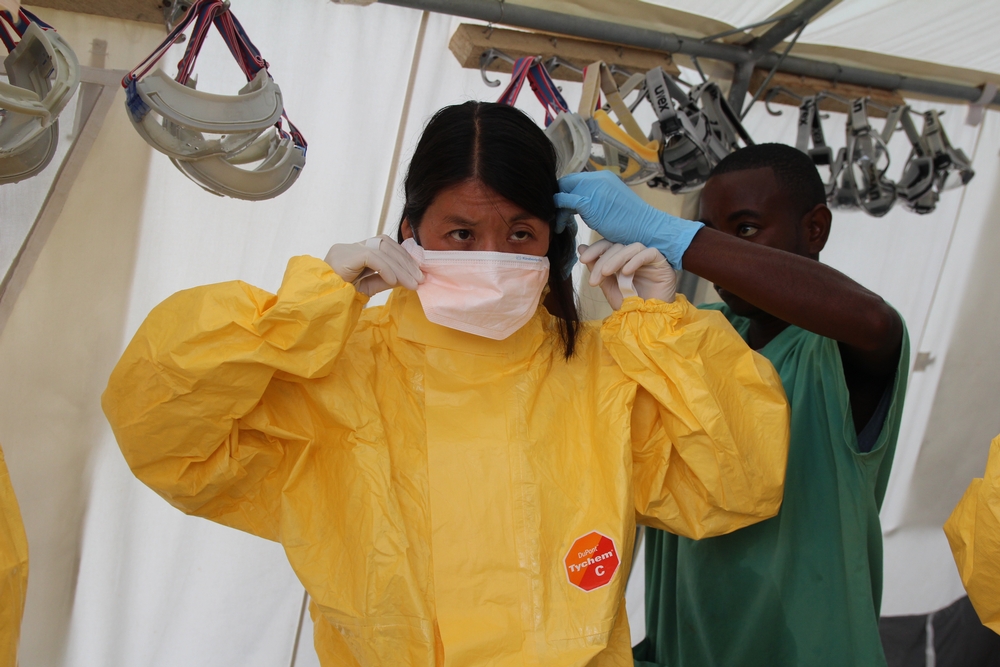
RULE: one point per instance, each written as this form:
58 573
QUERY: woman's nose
490 244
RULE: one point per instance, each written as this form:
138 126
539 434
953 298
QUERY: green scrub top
804 588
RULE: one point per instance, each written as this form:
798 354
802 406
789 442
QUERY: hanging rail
554 22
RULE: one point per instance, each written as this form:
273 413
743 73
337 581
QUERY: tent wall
149 586
59 344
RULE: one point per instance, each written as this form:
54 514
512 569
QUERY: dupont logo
592 561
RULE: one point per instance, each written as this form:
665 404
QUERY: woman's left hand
651 275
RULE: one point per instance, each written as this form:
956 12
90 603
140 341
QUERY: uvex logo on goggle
661 98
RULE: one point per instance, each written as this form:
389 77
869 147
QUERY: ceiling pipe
530 18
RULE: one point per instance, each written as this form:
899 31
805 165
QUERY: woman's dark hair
503 149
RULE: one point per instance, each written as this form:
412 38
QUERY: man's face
752 205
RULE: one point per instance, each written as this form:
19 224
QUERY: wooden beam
147 11
805 86
470 42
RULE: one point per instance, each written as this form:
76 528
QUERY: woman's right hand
375 265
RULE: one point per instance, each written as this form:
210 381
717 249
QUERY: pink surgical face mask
489 294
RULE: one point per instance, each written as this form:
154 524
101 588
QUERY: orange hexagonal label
592 561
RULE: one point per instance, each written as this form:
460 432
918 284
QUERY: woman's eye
521 235
746 231
461 235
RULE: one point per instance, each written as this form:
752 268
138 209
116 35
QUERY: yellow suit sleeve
710 423
202 361
13 569
973 531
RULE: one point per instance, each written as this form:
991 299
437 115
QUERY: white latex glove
651 275
375 265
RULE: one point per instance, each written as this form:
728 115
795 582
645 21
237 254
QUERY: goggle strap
591 90
19 24
906 120
617 104
631 84
858 116
146 65
34 19
818 138
240 46
892 121
204 13
807 112
546 92
727 118
7 40
933 134
201 27
297 137
517 76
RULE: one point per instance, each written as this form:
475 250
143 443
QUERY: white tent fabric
157 588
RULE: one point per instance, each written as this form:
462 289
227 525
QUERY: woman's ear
405 231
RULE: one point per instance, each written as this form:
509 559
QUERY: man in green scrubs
803 588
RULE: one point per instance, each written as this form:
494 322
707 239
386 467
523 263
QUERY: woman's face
471 216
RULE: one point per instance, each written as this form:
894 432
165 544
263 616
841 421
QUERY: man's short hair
794 170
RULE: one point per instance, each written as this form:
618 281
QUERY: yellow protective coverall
432 489
973 530
13 569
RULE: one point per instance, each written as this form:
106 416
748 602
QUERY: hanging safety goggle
724 124
866 161
566 130
240 126
915 188
689 146
952 167
44 75
624 150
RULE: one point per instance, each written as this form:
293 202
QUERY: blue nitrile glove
612 210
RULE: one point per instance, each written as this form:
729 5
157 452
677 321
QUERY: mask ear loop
626 285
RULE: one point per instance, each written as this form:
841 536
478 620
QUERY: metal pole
575 26
761 46
530 18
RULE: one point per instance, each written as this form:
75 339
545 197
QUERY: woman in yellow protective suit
456 476
973 530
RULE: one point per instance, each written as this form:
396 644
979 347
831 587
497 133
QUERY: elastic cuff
677 309
675 238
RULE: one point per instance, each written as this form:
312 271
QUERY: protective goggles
915 188
281 157
32 158
624 150
210 137
43 75
952 168
689 145
567 131
866 161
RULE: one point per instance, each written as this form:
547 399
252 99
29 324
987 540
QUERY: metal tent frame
756 54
